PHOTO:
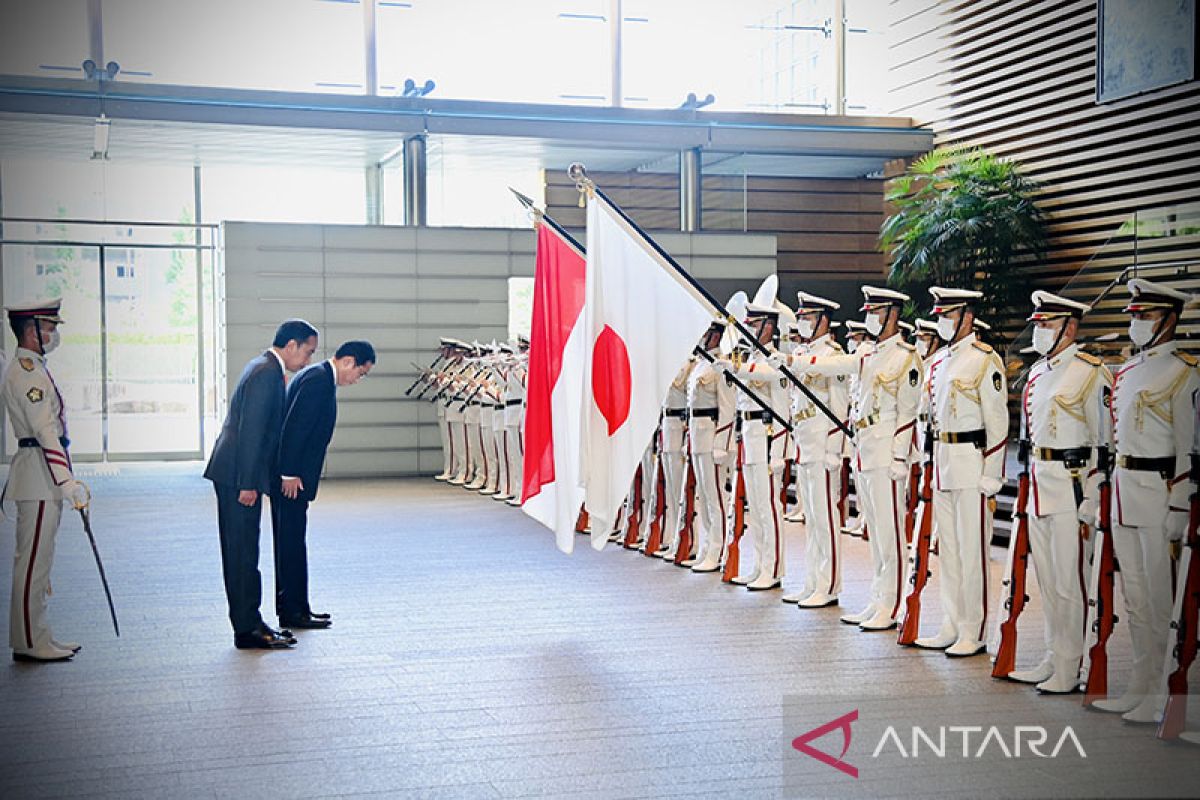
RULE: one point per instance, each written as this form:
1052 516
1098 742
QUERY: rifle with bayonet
919 573
1185 620
1101 616
1016 572
424 372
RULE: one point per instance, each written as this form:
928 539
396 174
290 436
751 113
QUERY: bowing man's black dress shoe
263 639
315 615
306 621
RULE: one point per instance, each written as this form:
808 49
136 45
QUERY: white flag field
641 320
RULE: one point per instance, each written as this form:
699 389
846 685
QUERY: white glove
776 360
898 471
77 493
989 487
1089 511
1176 525
833 462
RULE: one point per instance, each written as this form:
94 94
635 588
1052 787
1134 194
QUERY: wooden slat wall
826 228
1018 78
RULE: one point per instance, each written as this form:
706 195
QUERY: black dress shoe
283 633
262 639
307 622
315 615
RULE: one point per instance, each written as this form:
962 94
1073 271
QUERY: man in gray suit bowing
245 466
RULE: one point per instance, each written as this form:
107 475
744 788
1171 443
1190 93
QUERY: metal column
689 190
374 186
616 21
839 57
414 181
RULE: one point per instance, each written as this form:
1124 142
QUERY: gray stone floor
469 659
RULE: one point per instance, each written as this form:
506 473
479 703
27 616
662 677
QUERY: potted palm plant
962 218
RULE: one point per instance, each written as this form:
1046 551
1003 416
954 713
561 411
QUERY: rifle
421 377
1101 612
737 520
1018 564
753 395
919 574
654 540
688 509
634 519
1185 621
913 494
581 523
462 372
844 498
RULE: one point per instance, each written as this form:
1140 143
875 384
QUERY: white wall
401 289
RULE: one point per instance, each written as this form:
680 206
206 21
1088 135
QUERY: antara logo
1023 740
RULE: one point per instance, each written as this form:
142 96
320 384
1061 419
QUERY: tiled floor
469 659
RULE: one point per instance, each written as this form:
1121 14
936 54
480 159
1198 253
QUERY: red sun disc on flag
611 382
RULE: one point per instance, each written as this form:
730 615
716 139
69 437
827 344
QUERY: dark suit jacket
247 451
308 420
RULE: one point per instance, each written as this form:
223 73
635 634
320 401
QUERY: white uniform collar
1065 355
819 339
966 341
1165 348
23 352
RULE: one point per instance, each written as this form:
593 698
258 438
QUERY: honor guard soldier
711 407
39 478
514 407
969 410
1153 414
818 455
859 342
447 354
883 415
1065 419
763 443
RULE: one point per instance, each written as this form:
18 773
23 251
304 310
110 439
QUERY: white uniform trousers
447 453
1060 562
37 527
496 463
881 503
710 506
461 458
819 491
1145 559
512 451
674 476
478 453
960 517
762 501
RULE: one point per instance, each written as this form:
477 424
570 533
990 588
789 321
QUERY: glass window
751 55
866 59
535 51
393 192
47 38
284 194
286 45
468 185
83 189
520 307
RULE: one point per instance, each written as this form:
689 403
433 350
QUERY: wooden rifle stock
654 540
687 526
738 510
844 498
1104 617
1014 604
914 499
911 627
1185 623
633 520
581 524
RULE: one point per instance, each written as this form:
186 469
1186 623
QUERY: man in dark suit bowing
245 466
308 420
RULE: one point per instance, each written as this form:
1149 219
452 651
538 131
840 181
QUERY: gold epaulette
1088 358
987 348
1187 358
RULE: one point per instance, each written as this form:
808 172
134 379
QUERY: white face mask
52 345
805 328
874 324
1044 339
1141 331
851 345
946 328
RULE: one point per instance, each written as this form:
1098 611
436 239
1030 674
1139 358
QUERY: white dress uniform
1153 412
443 426
763 451
673 455
711 407
456 420
970 420
818 456
39 479
860 348
514 406
1065 418
883 416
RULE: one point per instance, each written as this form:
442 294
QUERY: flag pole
585 184
541 216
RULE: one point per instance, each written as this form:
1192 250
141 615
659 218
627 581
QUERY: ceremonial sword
87 528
